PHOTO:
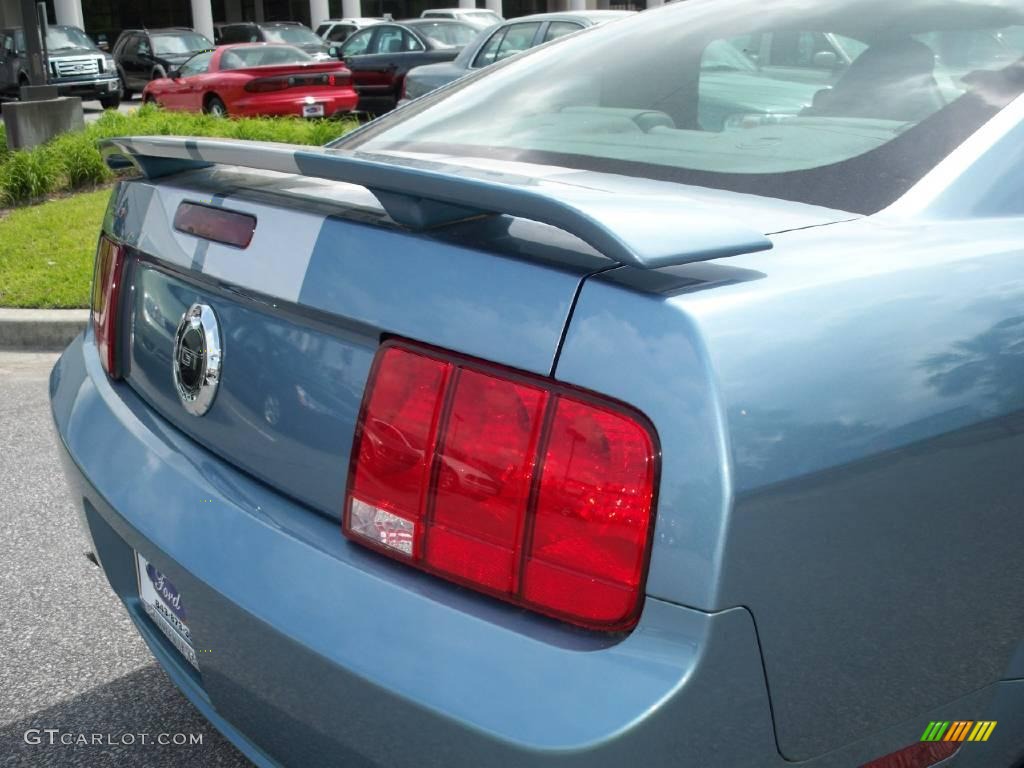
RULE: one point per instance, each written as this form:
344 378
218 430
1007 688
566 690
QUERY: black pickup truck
73 63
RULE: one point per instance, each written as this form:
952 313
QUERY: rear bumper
336 101
319 652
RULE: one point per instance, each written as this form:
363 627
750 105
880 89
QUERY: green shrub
26 176
77 160
72 161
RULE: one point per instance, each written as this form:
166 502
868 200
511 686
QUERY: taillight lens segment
511 484
106 291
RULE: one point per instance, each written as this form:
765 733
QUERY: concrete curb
39 330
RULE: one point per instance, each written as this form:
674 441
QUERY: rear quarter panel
841 422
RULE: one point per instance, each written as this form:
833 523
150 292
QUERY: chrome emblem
197 359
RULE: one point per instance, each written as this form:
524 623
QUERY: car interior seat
891 80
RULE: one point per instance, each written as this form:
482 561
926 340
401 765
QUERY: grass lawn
46 251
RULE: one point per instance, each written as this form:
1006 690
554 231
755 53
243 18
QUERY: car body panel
460 703
213 551
515 297
917 446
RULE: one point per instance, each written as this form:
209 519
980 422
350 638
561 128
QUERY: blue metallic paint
306 663
840 424
422 195
860 511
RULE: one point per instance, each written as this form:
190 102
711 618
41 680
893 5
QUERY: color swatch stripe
985 731
935 730
958 730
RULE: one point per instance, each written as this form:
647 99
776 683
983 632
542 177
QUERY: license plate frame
312 110
162 602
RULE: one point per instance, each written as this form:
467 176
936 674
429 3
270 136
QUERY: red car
256 79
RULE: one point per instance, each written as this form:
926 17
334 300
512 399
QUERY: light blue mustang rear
813 314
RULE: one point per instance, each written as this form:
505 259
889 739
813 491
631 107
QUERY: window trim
193 58
475 63
533 40
371 33
543 33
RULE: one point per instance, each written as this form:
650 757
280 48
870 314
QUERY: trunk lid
351 249
274 70
302 310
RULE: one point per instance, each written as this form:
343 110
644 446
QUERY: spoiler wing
644 231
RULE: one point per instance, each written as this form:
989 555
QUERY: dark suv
288 32
149 54
73 63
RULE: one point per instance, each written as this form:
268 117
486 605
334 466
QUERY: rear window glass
840 103
262 56
294 35
448 34
185 42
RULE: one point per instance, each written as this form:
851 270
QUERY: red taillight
921 755
106 290
511 484
222 226
267 84
339 77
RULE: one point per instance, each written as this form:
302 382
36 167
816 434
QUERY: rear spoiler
644 231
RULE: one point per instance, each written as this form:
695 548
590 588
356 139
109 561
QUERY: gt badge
197 359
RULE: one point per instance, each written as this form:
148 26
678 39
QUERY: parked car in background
285 32
510 38
481 17
73 63
340 30
736 92
381 55
149 54
256 79
813 57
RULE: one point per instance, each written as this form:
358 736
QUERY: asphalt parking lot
93 109
69 656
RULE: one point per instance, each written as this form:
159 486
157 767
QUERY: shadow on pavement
143 702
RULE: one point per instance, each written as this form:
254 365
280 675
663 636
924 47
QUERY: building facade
109 17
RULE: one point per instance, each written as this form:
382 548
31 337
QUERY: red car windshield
262 56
